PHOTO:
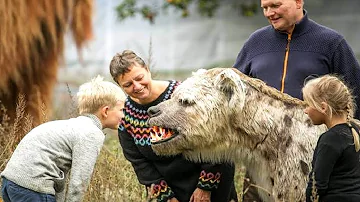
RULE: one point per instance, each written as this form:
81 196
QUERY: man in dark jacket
293 47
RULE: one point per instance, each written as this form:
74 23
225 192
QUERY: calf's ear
230 84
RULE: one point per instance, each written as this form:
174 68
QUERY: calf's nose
153 111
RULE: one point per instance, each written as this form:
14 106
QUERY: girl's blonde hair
333 91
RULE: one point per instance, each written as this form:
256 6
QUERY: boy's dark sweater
336 166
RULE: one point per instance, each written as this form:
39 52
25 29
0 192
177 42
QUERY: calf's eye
186 102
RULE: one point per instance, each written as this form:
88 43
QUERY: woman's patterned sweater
170 176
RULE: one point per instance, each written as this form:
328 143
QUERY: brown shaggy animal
31 47
222 115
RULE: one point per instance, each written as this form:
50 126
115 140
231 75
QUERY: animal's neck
264 117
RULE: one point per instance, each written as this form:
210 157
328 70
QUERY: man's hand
173 200
200 195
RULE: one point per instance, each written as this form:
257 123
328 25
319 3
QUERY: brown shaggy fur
223 115
31 47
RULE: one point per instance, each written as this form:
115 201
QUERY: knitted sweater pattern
160 173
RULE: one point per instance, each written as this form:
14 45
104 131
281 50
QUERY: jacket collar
299 29
95 120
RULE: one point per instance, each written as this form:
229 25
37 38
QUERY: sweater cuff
162 192
208 180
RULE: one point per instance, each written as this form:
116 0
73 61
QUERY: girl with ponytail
335 174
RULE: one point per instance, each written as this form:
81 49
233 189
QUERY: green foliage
206 8
126 9
249 9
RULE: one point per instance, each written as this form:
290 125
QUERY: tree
207 8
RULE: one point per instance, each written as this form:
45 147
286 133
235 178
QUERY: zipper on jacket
285 63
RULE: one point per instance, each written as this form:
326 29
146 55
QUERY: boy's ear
104 111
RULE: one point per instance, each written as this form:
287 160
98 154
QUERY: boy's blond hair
96 93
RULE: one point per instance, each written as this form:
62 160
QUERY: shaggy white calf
222 115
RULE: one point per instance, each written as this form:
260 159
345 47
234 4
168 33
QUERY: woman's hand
200 195
173 200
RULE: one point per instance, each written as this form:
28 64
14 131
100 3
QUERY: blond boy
38 168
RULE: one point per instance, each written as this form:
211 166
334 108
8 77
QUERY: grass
11 134
113 178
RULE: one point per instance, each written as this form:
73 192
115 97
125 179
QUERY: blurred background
194 41
184 35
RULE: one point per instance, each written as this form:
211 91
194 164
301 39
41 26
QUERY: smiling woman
173 178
